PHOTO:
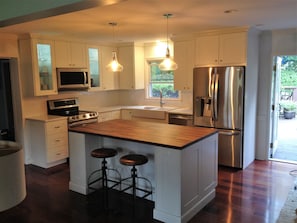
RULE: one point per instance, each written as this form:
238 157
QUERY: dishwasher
180 119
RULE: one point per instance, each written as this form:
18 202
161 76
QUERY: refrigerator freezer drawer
230 148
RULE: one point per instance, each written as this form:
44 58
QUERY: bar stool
134 160
93 178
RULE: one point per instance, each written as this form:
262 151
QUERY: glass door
45 73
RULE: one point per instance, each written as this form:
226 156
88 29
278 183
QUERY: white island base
184 180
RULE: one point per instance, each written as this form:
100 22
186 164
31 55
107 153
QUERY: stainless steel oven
69 107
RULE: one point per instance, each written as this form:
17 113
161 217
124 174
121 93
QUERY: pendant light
114 65
167 64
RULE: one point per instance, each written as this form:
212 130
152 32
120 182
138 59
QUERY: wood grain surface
167 135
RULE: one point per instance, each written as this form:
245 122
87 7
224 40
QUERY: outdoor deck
287 140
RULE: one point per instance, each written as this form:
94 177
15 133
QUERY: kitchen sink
150 107
152 112
157 108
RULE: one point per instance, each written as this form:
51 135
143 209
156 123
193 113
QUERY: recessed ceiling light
230 11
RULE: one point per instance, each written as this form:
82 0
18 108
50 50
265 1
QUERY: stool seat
136 160
102 174
104 153
133 160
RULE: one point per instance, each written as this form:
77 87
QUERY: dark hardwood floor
254 195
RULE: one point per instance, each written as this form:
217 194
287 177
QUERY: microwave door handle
85 78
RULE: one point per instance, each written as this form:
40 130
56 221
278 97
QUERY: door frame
16 98
274 105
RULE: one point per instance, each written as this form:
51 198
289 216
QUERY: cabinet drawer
55 141
57 154
56 127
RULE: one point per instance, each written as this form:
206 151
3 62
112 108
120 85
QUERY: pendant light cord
113 24
167 15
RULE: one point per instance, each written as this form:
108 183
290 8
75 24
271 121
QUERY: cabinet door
132 59
184 56
94 66
126 114
232 49
126 58
110 80
78 55
70 54
44 72
207 50
62 54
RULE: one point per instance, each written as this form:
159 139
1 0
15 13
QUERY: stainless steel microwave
73 78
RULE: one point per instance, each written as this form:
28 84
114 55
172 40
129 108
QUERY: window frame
148 82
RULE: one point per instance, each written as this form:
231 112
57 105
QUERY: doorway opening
283 146
7 130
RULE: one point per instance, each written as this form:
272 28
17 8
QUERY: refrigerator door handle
229 133
215 96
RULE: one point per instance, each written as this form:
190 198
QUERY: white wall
272 43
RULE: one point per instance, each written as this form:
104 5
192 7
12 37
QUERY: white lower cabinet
49 142
110 115
144 115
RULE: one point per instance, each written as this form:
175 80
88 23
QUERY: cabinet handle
58 154
57 127
57 140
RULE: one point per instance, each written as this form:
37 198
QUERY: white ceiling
142 20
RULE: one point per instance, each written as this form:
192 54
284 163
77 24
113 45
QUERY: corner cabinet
70 54
49 142
184 56
131 56
37 65
221 49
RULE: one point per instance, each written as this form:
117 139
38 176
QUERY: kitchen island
182 162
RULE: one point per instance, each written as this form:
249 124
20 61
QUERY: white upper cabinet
132 58
94 66
221 49
101 77
184 56
37 65
70 54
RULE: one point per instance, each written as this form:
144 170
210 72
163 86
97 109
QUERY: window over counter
160 81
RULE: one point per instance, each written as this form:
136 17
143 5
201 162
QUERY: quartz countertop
166 135
169 109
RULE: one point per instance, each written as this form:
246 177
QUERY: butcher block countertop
166 135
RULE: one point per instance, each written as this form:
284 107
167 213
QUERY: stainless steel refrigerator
218 94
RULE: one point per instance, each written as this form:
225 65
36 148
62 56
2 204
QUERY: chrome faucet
161 99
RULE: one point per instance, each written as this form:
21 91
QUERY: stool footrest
116 182
147 192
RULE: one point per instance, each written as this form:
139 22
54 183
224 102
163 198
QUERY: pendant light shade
168 63
114 65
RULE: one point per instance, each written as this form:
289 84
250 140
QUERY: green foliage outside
288 105
162 81
289 71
